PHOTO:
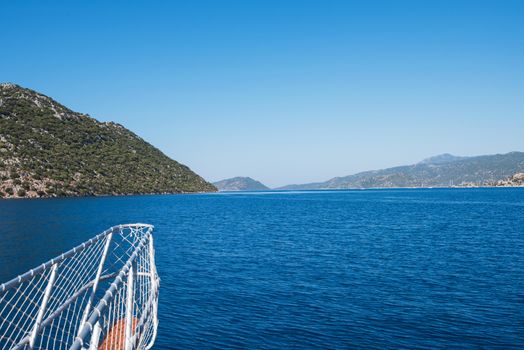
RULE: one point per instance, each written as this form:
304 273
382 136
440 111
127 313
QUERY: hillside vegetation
47 150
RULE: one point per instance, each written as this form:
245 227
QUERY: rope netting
102 294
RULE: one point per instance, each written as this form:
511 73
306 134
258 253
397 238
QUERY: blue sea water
417 268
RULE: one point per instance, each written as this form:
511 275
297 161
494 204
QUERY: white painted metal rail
102 294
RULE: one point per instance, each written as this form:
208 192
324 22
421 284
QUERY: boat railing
102 294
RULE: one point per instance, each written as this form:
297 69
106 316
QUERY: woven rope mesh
101 295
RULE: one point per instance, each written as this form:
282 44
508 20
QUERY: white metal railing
102 294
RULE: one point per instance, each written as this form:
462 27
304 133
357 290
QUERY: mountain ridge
48 150
456 171
441 159
240 183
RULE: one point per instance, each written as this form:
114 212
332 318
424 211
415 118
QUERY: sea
373 269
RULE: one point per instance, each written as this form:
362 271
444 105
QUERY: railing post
129 308
154 280
41 311
95 337
95 283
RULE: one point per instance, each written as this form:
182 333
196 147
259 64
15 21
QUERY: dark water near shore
344 269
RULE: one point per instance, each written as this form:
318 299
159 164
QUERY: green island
48 150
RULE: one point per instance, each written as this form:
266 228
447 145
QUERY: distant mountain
439 171
47 150
442 159
240 184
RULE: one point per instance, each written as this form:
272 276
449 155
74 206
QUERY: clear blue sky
282 91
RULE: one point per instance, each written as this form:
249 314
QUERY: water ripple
340 269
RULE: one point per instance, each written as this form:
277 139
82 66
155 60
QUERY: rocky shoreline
516 180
